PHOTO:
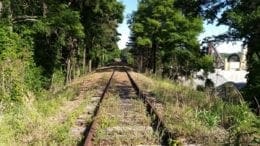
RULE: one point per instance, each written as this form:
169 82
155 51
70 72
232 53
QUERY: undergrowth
197 117
20 119
61 133
106 119
48 103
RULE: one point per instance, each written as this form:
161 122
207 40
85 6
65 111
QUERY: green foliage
17 122
210 118
56 34
242 17
143 42
48 102
240 119
18 72
44 44
58 79
182 61
206 63
163 34
127 56
100 20
61 133
202 117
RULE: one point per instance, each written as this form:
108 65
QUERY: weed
49 103
210 118
198 117
61 132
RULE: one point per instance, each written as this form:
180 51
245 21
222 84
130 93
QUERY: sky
209 30
130 6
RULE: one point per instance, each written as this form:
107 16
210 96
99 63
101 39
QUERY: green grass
61 133
198 117
20 120
48 103
43 117
17 123
105 118
17 126
113 127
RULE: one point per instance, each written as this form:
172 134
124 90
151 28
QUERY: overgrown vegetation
124 122
49 117
164 37
197 117
19 122
44 45
61 134
106 118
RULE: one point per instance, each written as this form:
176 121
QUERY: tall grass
19 120
60 134
197 117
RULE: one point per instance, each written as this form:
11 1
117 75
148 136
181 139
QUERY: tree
243 19
62 34
18 72
162 33
100 20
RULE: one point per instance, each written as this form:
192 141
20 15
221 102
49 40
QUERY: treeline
47 43
164 36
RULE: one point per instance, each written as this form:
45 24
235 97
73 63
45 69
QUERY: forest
47 44
164 36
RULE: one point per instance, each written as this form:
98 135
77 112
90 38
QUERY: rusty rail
159 123
93 127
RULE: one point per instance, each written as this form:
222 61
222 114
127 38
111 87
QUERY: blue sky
130 6
209 30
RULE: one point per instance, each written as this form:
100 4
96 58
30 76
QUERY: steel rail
159 123
93 127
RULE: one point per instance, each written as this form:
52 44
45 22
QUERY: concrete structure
220 77
243 62
228 68
238 77
236 61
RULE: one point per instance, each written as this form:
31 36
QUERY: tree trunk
1 7
68 71
141 63
90 65
78 61
84 61
6 6
87 50
69 60
154 48
44 9
73 66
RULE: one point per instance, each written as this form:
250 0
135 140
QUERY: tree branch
24 18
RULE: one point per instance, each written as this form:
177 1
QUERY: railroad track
126 88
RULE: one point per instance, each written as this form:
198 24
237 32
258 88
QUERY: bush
188 111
